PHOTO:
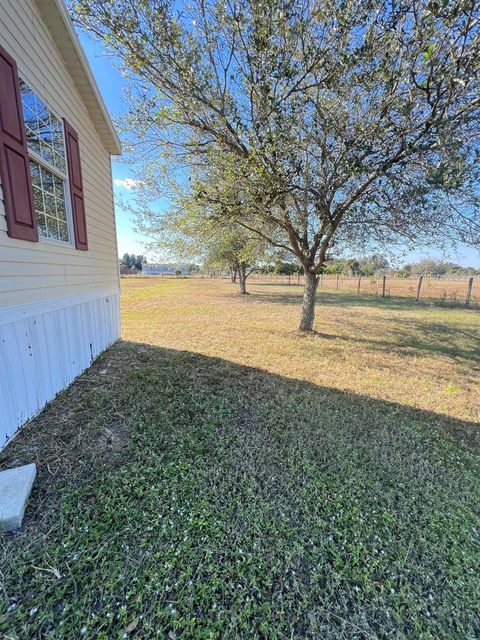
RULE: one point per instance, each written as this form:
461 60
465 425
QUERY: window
46 148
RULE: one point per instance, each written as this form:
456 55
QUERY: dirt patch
113 442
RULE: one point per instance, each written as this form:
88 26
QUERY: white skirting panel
45 345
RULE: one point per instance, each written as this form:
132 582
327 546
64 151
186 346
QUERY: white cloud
128 183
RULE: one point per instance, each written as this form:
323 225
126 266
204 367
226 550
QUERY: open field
217 476
448 292
395 350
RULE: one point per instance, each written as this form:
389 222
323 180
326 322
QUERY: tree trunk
233 273
242 278
307 319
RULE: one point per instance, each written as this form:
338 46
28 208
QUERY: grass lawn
215 475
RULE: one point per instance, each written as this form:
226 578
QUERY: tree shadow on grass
293 295
412 338
245 504
407 335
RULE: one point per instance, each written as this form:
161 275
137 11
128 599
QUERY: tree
353 268
286 268
139 261
131 261
190 230
432 266
371 265
235 249
352 124
125 261
335 266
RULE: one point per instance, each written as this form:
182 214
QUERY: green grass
243 502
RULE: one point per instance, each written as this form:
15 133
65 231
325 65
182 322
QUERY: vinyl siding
34 271
44 346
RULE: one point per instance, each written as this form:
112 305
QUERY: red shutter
76 187
14 163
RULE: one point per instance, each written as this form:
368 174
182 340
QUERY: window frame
64 177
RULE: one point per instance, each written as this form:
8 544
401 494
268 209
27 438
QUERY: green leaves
429 52
300 117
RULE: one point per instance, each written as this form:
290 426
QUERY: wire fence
443 291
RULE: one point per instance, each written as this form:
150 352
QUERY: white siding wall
45 345
32 271
59 307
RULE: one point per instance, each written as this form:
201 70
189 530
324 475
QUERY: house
165 269
59 281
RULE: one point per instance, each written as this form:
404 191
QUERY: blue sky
111 84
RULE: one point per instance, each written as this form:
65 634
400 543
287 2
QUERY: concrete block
15 487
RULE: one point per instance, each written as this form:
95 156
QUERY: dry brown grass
415 355
441 291
182 494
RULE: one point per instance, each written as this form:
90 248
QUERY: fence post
338 275
384 283
419 286
469 291
359 281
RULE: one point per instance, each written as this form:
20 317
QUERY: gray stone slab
15 487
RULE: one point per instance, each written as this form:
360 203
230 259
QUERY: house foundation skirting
45 345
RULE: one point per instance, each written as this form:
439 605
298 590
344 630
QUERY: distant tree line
131 261
367 266
282 267
224 254
436 268
378 264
